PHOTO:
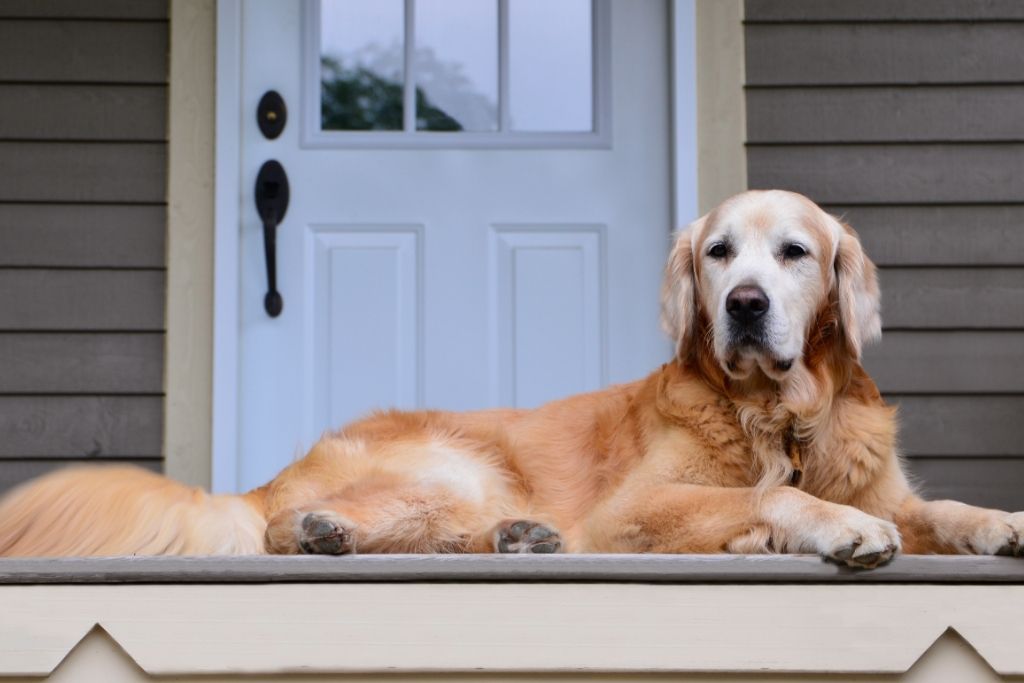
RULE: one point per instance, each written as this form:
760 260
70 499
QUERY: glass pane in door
551 65
456 65
362 64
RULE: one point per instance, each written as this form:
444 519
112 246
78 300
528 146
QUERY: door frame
228 210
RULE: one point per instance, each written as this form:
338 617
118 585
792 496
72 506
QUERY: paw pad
325 534
525 536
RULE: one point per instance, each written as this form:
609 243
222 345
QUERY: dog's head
760 277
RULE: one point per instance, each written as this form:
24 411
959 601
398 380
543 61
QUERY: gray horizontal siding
83 172
883 10
989 482
81 363
83 51
948 362
886 114
16 471
65 427
907 119
950 298
939 235
956 426
81 9
38 299
898 53
83 220
892 174
82 235
49 111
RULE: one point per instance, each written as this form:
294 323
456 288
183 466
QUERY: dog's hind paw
326 533
526 536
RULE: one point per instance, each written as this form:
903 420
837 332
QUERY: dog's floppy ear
679 290
858 293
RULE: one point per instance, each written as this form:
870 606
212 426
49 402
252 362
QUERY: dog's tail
98 511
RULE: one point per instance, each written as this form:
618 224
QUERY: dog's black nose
746 304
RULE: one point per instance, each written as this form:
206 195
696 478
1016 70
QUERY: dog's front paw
860 541
996 533
326 533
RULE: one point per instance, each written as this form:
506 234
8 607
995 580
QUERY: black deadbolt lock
271 114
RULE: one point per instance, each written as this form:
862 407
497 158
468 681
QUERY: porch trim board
179 629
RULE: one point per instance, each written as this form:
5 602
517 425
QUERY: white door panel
455 278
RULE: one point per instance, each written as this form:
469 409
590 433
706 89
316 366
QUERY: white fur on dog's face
770 241
798 256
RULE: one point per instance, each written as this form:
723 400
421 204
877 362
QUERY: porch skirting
494 616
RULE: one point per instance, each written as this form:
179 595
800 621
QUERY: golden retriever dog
762 435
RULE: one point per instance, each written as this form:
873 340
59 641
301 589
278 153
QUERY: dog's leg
949 527
402 519
679 518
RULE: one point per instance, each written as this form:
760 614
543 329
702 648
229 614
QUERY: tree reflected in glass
359 97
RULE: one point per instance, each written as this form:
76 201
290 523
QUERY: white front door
479 215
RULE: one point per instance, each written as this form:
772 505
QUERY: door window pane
362 64
550 65
456 65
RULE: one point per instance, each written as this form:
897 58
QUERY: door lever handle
272 193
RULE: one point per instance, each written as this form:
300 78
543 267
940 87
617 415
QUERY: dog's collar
793 449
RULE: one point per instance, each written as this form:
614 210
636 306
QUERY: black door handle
271 203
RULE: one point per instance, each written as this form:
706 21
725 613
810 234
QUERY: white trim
312 137
238 631
228 210
503 67
684 112
408 70
224 460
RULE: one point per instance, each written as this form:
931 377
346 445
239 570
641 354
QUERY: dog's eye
718 250
794 251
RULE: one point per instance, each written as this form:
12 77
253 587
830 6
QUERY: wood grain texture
623 568
44 111
950 298
39 299
892 174
16 471
66 427
83 235
83 51
83 125
989 482
882 10
837 54
83 172
939 235
93 9
81 363
885 114
960 426
948 362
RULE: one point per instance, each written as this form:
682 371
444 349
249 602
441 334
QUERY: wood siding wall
907 118
83 102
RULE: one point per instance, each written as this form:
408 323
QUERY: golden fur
697 457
